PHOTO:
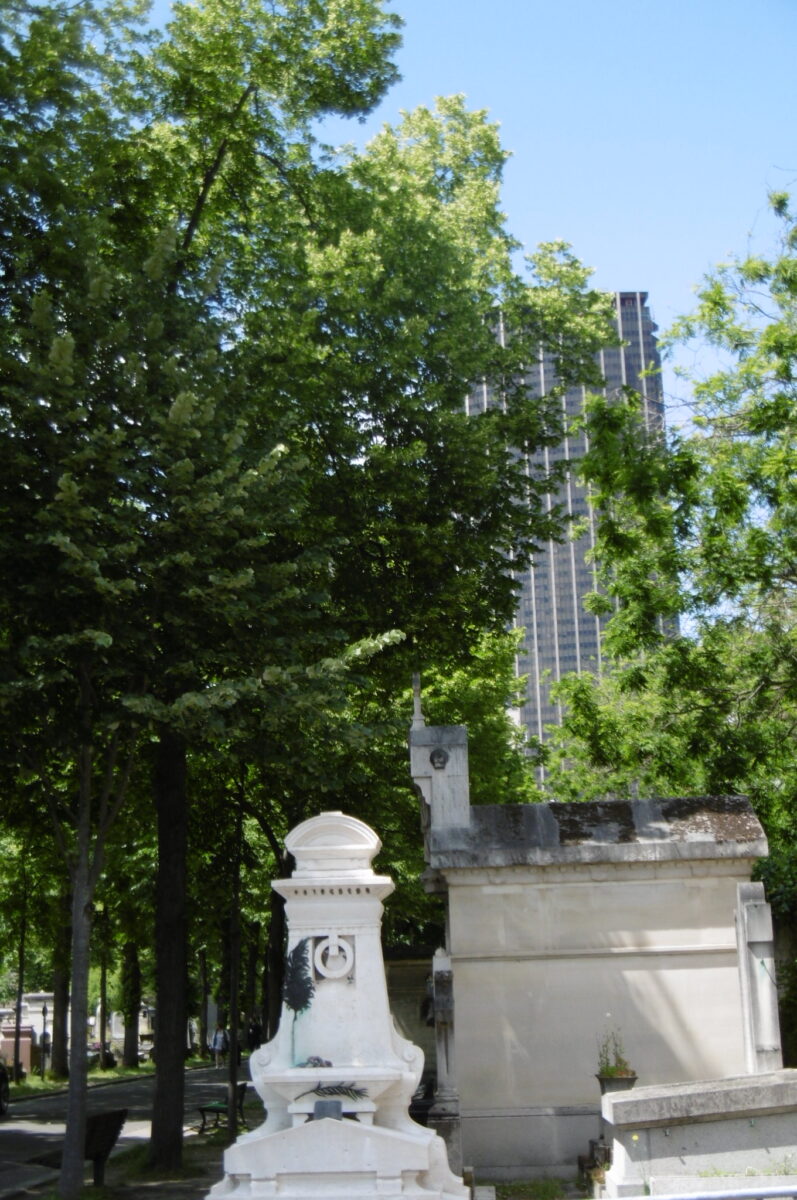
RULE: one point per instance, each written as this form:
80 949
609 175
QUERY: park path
36 1126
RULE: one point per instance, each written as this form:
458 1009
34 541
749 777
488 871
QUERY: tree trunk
23 929
223 988
103 1015
275 959
59 1062
250 1002
85 869
166 1145
70 1181
131 1002
235 1037
235 979
203 1003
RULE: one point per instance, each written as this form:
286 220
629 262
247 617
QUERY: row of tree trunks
171 805
71 958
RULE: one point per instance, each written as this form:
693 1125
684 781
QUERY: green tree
235 455
132 460
700 529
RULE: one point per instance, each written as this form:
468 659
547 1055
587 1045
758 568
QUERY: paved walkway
36 1126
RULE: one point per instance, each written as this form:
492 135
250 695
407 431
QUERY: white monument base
329 1158
337 1046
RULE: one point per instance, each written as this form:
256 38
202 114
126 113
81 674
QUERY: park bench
218 1108
102 1130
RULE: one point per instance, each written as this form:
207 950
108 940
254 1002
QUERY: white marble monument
337 1079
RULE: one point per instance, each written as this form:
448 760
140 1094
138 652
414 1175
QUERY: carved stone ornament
333 958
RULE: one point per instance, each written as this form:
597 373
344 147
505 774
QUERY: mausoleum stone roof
691 827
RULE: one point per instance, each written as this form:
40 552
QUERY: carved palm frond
336 1089
298 989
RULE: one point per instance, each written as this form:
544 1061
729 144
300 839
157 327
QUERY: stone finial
417 712
439 769
333 844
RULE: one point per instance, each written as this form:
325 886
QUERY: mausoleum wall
545 962
569 921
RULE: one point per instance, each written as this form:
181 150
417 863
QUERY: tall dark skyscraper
560 635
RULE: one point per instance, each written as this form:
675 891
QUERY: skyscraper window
560 634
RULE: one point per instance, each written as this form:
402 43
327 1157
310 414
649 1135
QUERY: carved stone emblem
333 957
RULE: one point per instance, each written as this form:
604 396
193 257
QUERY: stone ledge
439 735
672 1185
707 1100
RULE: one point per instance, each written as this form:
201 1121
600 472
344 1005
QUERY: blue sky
646 133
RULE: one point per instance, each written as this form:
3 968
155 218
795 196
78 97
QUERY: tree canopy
237 477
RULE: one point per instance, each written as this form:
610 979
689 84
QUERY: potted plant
614 1073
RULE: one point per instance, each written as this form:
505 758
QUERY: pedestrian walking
220 1044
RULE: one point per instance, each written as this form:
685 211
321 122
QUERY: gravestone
337 1042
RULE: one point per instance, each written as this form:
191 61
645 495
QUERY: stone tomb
568 921
337 1079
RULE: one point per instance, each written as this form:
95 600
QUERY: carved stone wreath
333 957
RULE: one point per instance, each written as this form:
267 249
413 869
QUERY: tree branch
265 827
209 178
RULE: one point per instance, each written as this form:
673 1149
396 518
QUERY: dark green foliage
778 873
787 1010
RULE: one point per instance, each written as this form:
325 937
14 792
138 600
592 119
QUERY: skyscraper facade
560 634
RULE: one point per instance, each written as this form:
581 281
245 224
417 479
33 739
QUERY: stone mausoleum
568 921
